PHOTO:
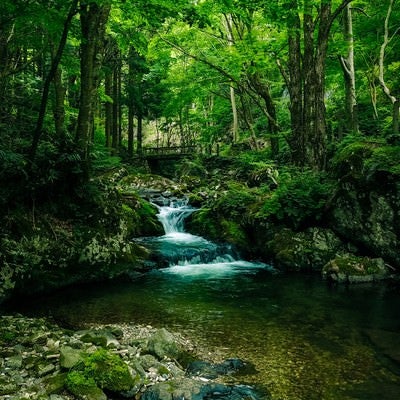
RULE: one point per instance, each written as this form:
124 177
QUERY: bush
299 199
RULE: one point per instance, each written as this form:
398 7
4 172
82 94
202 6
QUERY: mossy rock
83 387
304 251
102 370
352 269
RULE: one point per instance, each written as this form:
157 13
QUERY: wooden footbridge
165 153
175 152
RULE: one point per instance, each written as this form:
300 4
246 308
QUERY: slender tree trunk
108 108
50 76
295 87
58 108
93 19
139 135
347 64
115 109
263 91
131 116
386 89
235 123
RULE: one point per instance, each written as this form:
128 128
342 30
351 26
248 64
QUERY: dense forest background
87 85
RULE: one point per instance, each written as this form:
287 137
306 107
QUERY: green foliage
299 199
366 157
234 201
102 369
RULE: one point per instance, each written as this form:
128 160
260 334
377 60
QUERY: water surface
306 339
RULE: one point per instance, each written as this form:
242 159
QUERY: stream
305 338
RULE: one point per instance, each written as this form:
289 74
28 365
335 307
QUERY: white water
194 256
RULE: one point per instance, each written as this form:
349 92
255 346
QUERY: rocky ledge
40 360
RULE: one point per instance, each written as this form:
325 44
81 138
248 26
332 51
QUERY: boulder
162 344
352 269
309 250
70 357
367 213
190 389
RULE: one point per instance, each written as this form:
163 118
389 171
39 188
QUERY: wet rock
196 390
352 269
102 338
211 371
163 345
64 366
70 357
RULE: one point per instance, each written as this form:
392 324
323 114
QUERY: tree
347 64
93 17
387 37
309 25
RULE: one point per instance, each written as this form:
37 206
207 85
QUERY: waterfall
172 216
192 255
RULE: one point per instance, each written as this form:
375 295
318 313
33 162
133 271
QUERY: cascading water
190 254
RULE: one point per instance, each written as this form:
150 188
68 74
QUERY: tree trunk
93 19
115 109
306 82
386 89
50 76
108 108
131 116
295 88
58 108
347 64
139 136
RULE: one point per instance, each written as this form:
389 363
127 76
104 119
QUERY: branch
338 11
382 53
224 73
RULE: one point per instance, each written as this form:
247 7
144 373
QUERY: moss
104 370
82 386
233 233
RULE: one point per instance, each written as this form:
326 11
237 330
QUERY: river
305 338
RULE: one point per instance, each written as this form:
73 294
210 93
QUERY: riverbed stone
190 389
163 345
64 367
69 357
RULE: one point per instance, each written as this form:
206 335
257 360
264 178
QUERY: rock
55 384
70 357
190 389
102 338
353 269
44 369
162 344
7 386
14 362
305 251
183 388
366 212
211 371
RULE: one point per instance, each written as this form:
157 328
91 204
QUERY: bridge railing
149 151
